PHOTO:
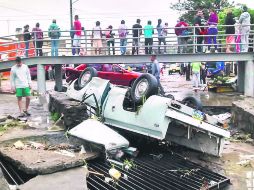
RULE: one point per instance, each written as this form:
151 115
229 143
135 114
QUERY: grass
55 116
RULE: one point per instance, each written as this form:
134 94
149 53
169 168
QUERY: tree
236 12
190 7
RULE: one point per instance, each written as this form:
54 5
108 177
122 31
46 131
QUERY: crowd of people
205 33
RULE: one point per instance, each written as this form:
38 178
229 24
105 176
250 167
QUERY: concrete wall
249 79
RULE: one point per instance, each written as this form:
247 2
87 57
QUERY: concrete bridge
245 65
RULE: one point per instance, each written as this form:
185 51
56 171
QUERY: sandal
22 115
26 113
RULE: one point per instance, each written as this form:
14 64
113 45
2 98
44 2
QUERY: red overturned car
115 73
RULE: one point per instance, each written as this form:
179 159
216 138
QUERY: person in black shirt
136 33
27 38
230 30
198 30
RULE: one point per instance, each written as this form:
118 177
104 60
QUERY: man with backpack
181 30
54 34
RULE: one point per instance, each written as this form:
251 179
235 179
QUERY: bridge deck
166 58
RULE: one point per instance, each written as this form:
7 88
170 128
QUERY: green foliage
190 7
236 13
221 80
129 164
55 116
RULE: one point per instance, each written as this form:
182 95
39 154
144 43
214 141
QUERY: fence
65 48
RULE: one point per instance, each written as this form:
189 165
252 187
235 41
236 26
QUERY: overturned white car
139 109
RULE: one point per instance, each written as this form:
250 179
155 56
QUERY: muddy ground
237 160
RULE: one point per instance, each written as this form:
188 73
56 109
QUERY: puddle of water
239 168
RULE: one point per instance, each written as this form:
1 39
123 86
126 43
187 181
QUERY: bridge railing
14 45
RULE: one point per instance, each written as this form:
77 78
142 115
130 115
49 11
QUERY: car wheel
86 76
144 86
193 103
131 83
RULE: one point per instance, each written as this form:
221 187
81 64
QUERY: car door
117 76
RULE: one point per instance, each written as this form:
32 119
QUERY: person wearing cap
244 21
21 84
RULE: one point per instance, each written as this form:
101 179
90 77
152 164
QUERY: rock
3 183
74 112
72 179
243 115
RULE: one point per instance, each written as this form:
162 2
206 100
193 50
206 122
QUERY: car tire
138 93
131 83
193 103
86 76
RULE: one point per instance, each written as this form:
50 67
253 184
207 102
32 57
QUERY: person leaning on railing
181 31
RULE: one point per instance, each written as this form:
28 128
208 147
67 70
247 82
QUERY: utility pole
71 17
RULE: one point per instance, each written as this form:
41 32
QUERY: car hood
136 73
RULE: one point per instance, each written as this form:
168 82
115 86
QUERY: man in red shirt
181 30
77 35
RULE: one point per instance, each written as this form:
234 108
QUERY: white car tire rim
85 78
141 88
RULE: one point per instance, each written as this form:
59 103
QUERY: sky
17 13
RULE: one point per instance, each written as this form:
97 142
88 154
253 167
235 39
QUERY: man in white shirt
21 84
244 21
96 37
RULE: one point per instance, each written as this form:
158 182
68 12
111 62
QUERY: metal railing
15 46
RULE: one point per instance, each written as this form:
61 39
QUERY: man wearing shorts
21 84
77 35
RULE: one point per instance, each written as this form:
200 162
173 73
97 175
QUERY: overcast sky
17 13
